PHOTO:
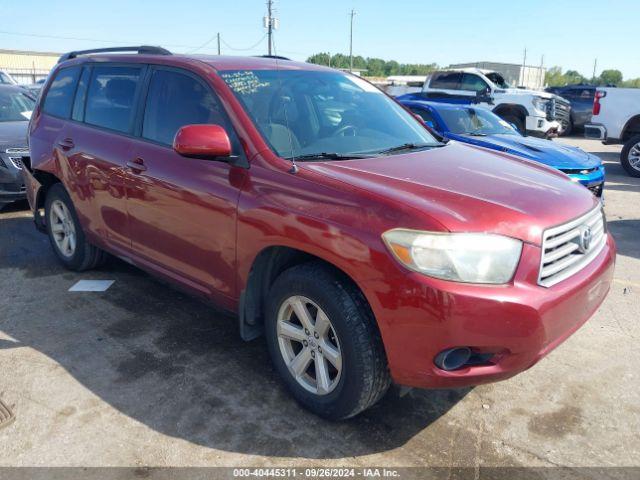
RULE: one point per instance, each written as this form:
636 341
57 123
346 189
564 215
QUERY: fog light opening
453 358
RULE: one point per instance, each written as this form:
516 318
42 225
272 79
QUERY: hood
13 134
468 189
526 91
550 153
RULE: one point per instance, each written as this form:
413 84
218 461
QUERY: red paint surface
201 223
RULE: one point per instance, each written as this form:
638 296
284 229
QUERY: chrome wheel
63 228
309 345
634 156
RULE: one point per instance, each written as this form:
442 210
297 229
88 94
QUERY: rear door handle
136 165
66 144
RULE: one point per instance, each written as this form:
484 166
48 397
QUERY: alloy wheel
63 228
309 345
634 156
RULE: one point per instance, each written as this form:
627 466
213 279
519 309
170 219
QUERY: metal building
517 75
27 67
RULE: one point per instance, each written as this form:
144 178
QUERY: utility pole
352 14
219 43
271 24
524 63
542 72
595 65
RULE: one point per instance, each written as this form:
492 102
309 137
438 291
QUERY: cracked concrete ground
144 375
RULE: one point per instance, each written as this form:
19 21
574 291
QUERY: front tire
65 233
324 342
630 156
517 121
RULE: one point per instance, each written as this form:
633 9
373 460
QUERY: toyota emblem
585 239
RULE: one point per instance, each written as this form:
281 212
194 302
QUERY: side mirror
202 141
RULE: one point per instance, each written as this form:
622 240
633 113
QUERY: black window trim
84 68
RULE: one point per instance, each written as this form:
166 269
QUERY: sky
569 33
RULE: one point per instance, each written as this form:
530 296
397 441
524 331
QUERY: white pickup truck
616 119
530 111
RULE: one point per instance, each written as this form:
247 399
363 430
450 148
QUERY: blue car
478 126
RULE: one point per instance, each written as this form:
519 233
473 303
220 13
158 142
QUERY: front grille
17 156
568 248
559 110
576 171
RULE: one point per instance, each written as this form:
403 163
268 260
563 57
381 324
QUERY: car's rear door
182 211
98 144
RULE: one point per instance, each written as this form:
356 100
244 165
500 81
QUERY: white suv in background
530 111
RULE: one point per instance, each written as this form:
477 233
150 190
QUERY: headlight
541 103
460 257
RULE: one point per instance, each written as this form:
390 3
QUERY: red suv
364 248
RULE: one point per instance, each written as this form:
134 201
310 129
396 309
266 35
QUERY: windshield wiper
329 156
409 146
477 134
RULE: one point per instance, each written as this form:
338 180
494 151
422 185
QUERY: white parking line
91 286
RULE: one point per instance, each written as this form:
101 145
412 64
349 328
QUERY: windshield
15 106
471 121
306 113
498 80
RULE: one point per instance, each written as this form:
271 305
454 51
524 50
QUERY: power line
82 39
244 49
217 35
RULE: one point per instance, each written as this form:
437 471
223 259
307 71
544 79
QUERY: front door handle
66 144
136 165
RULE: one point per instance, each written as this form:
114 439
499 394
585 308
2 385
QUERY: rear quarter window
59 97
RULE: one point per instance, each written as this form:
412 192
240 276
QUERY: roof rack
142 49
277 57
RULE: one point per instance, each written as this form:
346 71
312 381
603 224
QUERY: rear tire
65 233
568 129
362 376
630 156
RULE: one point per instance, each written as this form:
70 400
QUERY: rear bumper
595 131
519 323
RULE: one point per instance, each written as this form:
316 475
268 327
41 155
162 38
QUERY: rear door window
60 94
446 80
111 97
176 99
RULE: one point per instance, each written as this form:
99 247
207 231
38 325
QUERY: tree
320 59
610 77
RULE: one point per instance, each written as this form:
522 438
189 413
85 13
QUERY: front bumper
12 187
519 323
594 180
541 126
